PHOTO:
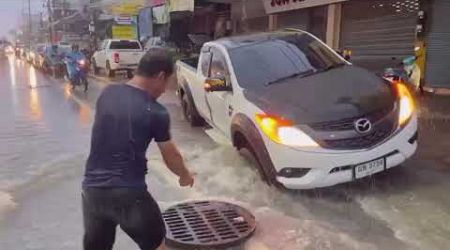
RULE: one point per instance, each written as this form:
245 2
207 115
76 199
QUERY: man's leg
143 222
99 231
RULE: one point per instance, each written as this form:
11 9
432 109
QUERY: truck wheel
109 71
129 74
190 112
95 68
248 152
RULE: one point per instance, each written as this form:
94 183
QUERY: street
44 141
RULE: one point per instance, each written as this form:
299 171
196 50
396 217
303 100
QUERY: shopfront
379 33
437 44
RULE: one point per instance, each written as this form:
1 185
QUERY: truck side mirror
216 84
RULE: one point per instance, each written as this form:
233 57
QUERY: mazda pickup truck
308 117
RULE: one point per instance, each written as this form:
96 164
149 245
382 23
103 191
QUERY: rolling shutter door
438 46
380 33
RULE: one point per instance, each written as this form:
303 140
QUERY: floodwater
44 141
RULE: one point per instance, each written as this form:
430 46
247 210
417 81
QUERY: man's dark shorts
134 210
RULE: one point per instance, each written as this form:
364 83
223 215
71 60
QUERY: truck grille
365 141
348 123
384 123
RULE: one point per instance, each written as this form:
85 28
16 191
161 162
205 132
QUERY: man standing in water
127 119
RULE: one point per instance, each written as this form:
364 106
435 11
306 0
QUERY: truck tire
109 71
268 175
190 112
95 68
253 149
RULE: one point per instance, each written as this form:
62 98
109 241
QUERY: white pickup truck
305 115
117 55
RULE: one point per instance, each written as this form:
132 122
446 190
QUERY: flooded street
44 140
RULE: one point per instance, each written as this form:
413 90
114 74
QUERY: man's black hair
154 61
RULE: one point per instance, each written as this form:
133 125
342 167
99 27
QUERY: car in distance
117 55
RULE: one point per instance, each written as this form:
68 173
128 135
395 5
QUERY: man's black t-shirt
127 119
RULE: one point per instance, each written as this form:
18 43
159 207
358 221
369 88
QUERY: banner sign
276 6
125 27
181 5
126 32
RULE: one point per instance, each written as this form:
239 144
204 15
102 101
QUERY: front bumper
123 66
331 167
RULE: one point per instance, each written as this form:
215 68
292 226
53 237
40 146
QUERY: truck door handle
230 110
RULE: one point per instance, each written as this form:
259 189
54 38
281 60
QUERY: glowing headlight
283 132
406 103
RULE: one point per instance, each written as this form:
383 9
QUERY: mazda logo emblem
363 125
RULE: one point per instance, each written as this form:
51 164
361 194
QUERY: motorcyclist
73 59
52 56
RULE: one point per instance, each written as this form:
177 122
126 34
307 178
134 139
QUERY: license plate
369 168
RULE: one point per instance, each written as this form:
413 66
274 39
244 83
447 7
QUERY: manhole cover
207 224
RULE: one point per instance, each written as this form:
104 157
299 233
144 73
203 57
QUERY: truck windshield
281 57
125 45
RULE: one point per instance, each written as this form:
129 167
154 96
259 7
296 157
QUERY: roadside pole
50 21
29 24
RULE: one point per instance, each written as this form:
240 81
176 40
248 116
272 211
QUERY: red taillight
116 57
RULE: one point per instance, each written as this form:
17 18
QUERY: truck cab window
205 63
219 67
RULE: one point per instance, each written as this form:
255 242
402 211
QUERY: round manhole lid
207 224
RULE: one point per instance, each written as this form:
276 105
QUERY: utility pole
50 20
29 24
64 14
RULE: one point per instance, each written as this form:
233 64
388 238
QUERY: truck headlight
406 103
283 132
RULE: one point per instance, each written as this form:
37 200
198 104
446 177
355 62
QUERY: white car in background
117 55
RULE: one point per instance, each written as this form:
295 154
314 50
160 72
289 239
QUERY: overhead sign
276 6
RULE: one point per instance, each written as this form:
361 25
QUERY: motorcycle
407 72
79 75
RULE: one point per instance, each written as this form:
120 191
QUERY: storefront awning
276 6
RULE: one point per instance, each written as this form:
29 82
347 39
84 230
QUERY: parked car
308 117
117 55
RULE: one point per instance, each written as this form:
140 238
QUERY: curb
437 91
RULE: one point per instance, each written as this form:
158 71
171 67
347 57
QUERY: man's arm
175 163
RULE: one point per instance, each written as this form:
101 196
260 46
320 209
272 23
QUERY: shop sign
131 7
123 20
127 32
276 6
153 3
181 5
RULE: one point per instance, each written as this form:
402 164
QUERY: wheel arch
243 130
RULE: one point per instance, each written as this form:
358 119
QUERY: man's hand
186 180
174 161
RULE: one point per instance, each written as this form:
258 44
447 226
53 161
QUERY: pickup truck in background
305 115
117 55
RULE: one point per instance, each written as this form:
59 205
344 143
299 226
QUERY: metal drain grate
206 224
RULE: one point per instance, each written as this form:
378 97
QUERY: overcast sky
10 13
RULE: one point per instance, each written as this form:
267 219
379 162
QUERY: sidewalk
435 107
